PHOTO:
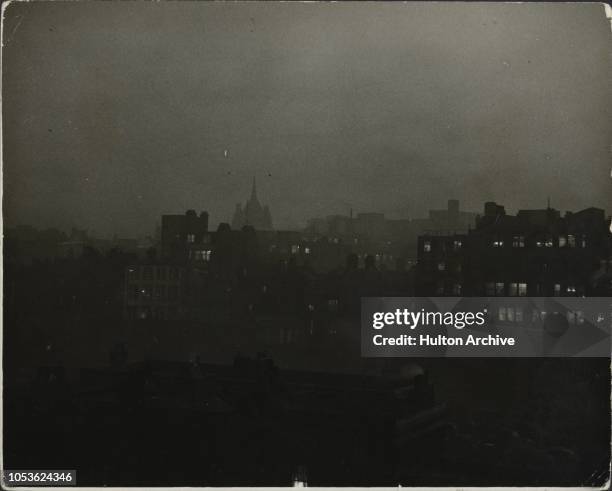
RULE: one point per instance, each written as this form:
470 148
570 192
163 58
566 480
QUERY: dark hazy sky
115 113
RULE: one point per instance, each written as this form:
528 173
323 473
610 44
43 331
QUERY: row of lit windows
295 249
503 289
498 289
518 241
510 314
456 289
515 314
200 255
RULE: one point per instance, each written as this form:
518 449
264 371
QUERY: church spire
252 213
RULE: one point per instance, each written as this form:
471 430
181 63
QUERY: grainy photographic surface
197 196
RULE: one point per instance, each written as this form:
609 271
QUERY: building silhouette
532 253
234 274
388 241
184 237
253 213
448 221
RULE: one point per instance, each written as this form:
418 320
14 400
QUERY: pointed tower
253 213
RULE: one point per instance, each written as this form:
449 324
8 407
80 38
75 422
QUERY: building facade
533 253
185 237
153 292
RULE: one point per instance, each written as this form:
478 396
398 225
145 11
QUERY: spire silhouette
253 213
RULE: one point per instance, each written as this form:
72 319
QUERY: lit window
518 314
501 314
571 240
518 241
457 289
562 241
549 242
571 289
510 313
499 289
522 289
299 478
295 249
306 250
498 243
427 246
583 242
203 255
441 266
191 238
513 290
539 243
557 289
457 244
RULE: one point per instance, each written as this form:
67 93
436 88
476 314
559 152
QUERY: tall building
185 237
253 213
